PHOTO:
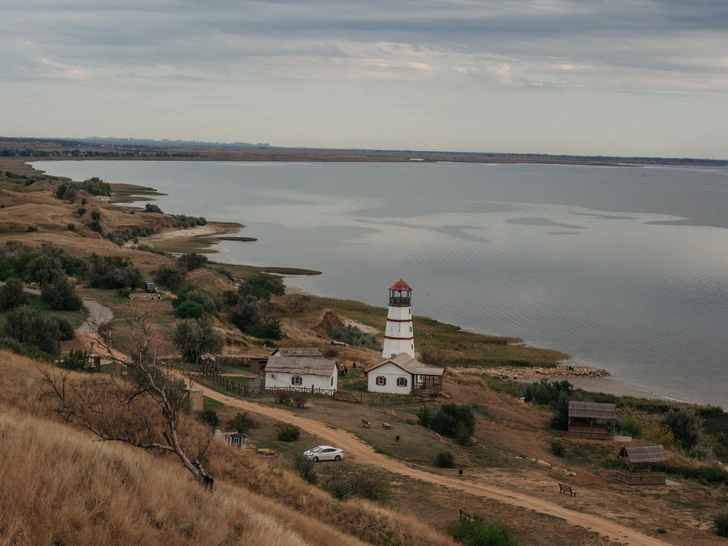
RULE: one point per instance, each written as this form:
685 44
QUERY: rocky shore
525 374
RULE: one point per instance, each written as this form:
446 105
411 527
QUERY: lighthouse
398 335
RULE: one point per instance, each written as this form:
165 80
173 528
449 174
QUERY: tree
195 338
248 314
60 294
31 327
171 277
192 260
262 286
189 310
452 418
148 408
685 426
12 295
44 269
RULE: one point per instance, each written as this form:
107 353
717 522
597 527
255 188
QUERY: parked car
150 287
324 453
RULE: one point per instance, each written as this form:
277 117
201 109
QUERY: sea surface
624 268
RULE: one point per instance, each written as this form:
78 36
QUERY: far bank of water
623 268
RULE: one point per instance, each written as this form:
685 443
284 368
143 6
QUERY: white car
324 453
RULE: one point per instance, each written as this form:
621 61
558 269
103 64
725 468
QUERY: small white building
301 372
404 375
398 334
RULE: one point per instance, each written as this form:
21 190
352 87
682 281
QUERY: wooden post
117 369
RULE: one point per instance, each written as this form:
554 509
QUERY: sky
583 77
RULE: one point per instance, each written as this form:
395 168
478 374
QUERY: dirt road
363 454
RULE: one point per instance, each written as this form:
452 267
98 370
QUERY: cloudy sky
613 77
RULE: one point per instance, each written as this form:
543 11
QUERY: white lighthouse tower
398 335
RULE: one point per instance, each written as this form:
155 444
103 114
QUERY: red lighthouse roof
400 285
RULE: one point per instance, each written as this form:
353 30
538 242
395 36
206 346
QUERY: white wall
391 372
282 380
399 330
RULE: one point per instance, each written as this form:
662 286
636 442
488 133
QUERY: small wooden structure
591 420
639 461
563 488
233 438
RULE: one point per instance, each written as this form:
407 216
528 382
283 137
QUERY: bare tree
148 408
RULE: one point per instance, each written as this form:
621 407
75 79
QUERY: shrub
453 420
299 399
84 201
189 310
123 292
192 261
44 269
209 417
230 298
702 452
288 432
197 295
424 415
557 447
355 337
96 186
152 208
31 228
81 211
720 523
342 485
194 338
629 427
282 397
12 295
659 434
61 295
306 468
31 327
479 533
171 277
247 314
433 358
685 426
262 286
75 360
95 215
113 272
65 328
71 226
445 459
243 422
271 329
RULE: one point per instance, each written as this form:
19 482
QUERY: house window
401 381
296 380
381 380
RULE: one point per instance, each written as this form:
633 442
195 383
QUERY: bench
465 515
267 452
386 425
563 488
366 423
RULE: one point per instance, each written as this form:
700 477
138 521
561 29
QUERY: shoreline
587 378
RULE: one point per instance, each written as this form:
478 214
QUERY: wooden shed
591 420
639 461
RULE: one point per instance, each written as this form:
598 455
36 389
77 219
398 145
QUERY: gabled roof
644 454
400 285
592 410
300 365
408 364
305 352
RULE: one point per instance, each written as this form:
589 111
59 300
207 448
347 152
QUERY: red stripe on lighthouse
399 338
399 320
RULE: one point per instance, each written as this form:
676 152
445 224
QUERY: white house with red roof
398 334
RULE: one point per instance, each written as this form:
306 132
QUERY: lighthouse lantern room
398 335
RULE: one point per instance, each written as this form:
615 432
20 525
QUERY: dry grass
67 489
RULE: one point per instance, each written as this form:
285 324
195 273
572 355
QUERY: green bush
171 277
189 310
271 329
81 211
557 447
71 226
479 533
445 459
243 422
65 328
299 399
209 417
192 261
96 186
12 295
629 427
720 523
60 294
75 360
194 338
282 397
113 272
152 208
230 298
424 415
685 426
288 432
355 337
453 420
198 295
306 468
262 286
33 328
44 269
95 215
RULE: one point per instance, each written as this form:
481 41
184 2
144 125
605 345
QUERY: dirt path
363 454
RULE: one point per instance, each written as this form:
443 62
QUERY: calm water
623 268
